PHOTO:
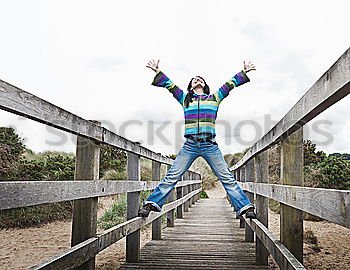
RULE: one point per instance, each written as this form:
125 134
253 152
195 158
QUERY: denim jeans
187 155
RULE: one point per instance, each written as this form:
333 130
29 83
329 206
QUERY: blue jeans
187 155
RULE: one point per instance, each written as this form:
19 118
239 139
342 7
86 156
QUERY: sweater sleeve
237 80
162 80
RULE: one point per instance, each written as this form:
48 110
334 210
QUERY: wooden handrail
39 192
328 204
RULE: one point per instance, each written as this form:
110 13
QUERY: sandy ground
23 248
332 250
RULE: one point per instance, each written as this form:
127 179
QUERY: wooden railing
252 172
87 188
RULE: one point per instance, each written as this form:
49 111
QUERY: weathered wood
249 177
198 185
170 219
186 191
15 194
84 224
179 195
207 238
157 224
71 258
283 257
82 252
292 166
262 205
330 204
329 89
190 188
133 202
242 178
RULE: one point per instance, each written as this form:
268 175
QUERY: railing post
291 226
249 177
197 186
241 174
133 202
87 165
190 201
262 204
179 194
193 187
170 220
157 223
186 189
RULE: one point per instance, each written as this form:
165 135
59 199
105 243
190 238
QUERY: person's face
197 82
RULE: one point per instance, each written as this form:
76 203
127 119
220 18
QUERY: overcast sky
89 58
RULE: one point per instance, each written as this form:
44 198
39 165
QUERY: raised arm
237 80
162 80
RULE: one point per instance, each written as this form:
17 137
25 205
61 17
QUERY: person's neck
198 91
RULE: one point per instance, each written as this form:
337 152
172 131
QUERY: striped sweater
201 113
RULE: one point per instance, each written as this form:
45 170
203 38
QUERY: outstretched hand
153 65
248 67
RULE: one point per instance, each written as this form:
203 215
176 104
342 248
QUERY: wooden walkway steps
208 237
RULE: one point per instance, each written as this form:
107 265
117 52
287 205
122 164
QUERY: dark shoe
144 211
250 213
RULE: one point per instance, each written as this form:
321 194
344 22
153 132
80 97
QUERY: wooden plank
249 177
330 204
292 167
179 195
186 191
242 178
75 256
333 85
262 205
71 258
84 224
133 202
26 193
171 214
283 257
156 224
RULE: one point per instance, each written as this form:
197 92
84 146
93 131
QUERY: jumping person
200 108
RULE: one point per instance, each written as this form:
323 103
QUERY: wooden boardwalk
208 237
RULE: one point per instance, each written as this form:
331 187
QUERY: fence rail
28 193
253 173
329 204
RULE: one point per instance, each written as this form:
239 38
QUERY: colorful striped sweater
201 113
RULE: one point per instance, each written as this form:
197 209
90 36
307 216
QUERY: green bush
112 158
115 215
203 195
336 172
36 215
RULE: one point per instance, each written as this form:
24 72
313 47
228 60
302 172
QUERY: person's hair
189 95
